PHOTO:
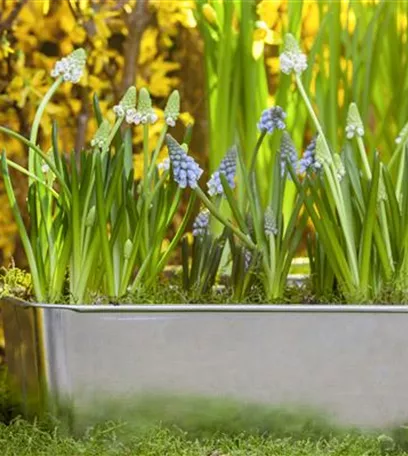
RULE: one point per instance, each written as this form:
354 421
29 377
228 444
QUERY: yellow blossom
348 17
402 26
210 14
148 45
154 133
170 13
346 66
341 94
46 6
26 84
263 34
273 64
273 13
157 79
46 30
186 118
5 48
311 20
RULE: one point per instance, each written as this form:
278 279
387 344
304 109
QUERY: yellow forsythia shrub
127 42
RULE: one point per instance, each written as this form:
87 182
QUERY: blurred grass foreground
358 48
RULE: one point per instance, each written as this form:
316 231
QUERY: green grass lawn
190 426
22 438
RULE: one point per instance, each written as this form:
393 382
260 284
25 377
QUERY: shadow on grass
202 417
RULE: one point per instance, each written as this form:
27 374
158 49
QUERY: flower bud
403 135
172 109
90 218
308 161
287 152
354 123
127 102
210 14
228 167
270 227
323 155
340 169
145 113
382 191
45 168
100 140
164 165
201 224
127 252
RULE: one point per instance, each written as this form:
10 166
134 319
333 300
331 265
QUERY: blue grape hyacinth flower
287 152
201 224
186 171
308 162
228 167
272 119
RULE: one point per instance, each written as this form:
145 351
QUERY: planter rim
189 308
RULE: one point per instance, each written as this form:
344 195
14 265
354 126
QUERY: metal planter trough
349 362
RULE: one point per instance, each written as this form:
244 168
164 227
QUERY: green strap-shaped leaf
233 204
102 221
39 288
368 227
97 109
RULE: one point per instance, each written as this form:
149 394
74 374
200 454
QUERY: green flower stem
255 152
22 170
210 206
115 128
318 126
364 159
156 153
157 187
32 162
145 155
146 183
272 257
39 288
311 111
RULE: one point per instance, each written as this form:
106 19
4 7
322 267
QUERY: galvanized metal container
348 361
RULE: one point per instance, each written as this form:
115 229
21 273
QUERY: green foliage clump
15 282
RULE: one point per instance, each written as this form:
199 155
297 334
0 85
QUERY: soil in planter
17 283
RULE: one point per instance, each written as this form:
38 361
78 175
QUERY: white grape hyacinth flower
164 165
292 58
354 125
71 68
